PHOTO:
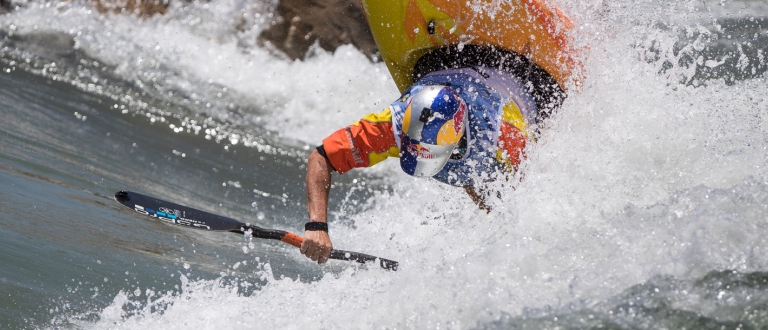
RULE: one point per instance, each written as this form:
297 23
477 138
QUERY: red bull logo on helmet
420 151
451 131
458 118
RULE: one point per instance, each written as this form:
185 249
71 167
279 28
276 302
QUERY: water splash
652 176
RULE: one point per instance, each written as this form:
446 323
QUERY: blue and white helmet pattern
433 124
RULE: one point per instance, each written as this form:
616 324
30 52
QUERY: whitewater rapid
643 173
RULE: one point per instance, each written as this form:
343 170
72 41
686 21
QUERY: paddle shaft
296 240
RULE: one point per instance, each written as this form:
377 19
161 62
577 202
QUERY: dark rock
5 6
302 23
330 23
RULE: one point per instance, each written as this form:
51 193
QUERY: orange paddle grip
292 239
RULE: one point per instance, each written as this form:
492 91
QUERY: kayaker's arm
361 144
317 244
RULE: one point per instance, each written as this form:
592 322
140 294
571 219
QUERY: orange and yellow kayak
406 30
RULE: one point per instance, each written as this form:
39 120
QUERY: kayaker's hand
317 245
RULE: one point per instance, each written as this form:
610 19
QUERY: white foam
199 54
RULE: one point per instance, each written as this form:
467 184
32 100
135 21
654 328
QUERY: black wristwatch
311 226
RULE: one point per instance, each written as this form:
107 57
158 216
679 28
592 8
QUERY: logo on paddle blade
170 213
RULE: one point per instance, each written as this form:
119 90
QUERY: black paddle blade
175 213
187 216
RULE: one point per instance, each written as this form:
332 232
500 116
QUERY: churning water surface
644 203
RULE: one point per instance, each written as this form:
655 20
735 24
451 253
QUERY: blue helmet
433 124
